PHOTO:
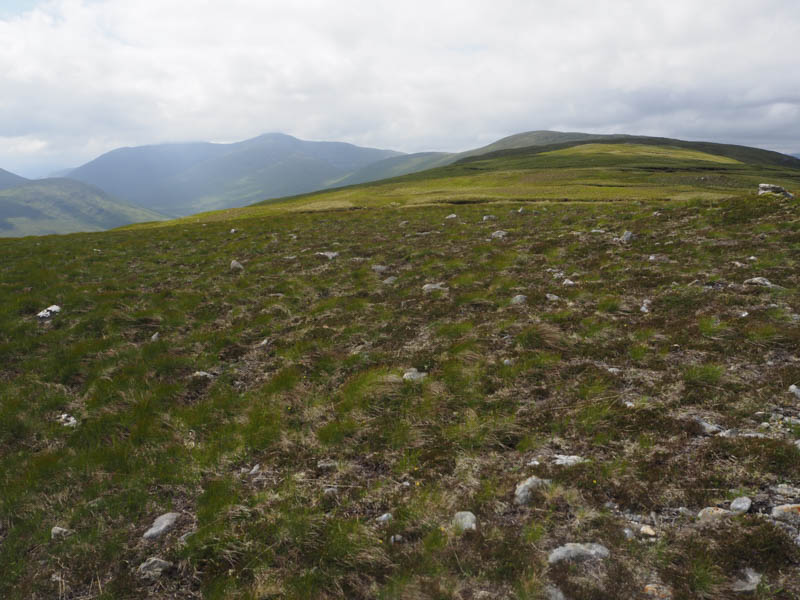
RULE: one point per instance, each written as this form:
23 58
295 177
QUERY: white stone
648 531
568 460
552 297
748 583
161 526
328 255
795 390
414 376
568 282
389 280
519 299
59 532
489 217
396 539
380 268
627 237
201 375
712 513
708 428
524 490
48 312
451 216
153 567
499 235
67 420
553 593
464 521
645 308
741 505
154 337
384 518
762 281
578 552
789 513
236 266
233 231
434 287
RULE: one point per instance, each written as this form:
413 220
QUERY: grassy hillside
48 206
271 413
180 179
8 179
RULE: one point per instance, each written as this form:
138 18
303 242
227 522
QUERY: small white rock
59 532
464 521
499 235
161 526
748 583
154 337
434 287
489 217
568 460
67 420
552 297
328 255
451 216
236 266
414 376
524 490
741 505
568 282
795 390
384 518
578 552
712 513
519 299
762 281
48 312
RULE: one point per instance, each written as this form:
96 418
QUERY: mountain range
131 185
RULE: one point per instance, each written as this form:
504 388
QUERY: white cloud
84 77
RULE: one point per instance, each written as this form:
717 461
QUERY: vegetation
304 358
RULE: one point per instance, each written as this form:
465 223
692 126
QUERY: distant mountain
181 179
47 206
8 179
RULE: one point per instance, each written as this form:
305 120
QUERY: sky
81 77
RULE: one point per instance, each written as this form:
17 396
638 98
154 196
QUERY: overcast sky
81 77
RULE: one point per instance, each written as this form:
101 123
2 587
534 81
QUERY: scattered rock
499 235
741 505
48 312
236 266
154 337
396 539
389 280
326 464
788 513
597 231
770 188
748 583
578 553
233 231
523 493
384 518
154 567
647 531
464 521
762 281
645 308
568 282
380 268
328 255
519 299
507 362
551 592
708 428
161 526
201 375
552 297
712 513
628 533
57 533
414 376
657 591
451 216
67 420
795 390
434 287
489 218
567 460
254 471
627 237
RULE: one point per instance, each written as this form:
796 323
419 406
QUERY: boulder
771 188
464 521
789 513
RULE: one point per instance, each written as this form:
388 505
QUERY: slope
9 179
63 206
179 179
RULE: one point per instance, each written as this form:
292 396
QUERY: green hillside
63 206
8 179
568 372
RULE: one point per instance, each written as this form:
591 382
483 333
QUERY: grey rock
712 513
507 362
523 493
519 299
201 375
551 592
552 297
396 539
254 471
451 216
788 513
770 188
380 268
328 255
762 281
60 532
414 376
185 537
489 218
748 583
464 521
793 389
578 553
326 464
67 420
708 428
154 337
645 308
384 518
568 460
153 567
741 505
389 280
434 287
161 526
499 235
329 491
236 266
49 312
627 237
568 282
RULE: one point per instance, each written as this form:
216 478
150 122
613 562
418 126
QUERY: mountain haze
49 206
180 179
